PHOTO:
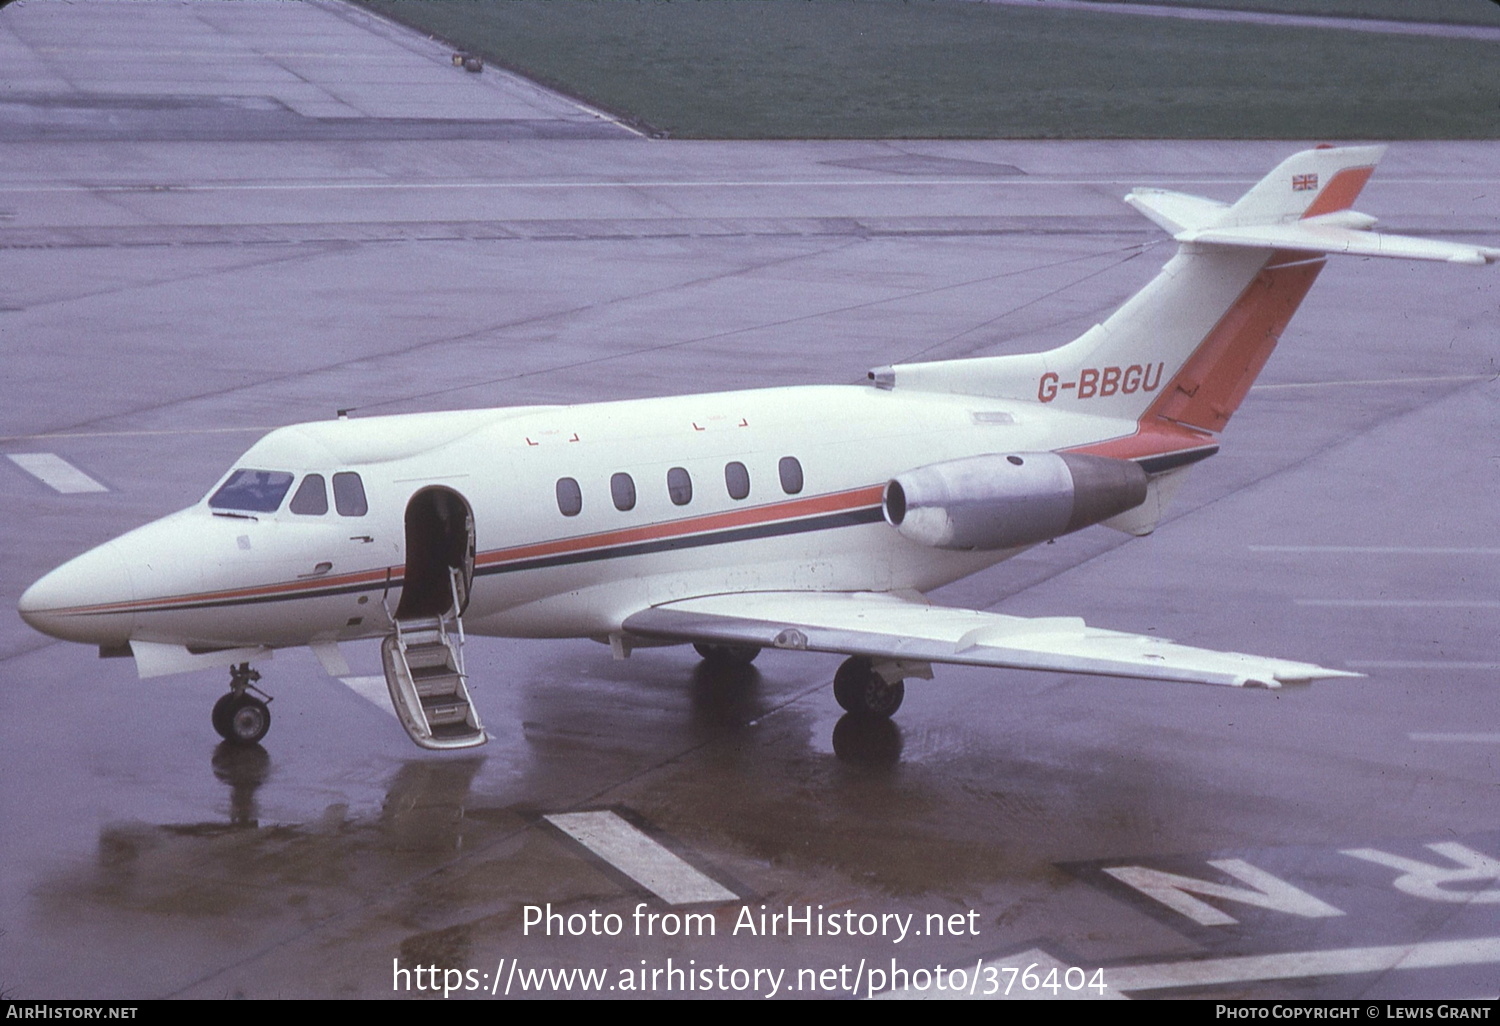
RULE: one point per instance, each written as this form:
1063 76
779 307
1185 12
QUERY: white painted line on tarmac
1025 181
1373 381
127 434
216 55
55 472
1478 739
372 690
1292 965
1418 664
1378 25
809 183
1403 603
640 858
1377 550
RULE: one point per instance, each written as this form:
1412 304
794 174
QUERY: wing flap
909 628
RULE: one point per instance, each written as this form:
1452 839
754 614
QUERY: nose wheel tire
862 692
241 719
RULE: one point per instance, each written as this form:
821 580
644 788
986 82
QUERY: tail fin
1179 356
1306 184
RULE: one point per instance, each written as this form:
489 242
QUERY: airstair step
424 674
441 660
439 687
455 732
445 711
421 673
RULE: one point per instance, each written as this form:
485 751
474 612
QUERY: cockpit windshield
253 491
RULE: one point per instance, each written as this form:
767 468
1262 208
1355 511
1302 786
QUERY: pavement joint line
55 472
130 434
835 183
640 857
1373 381
1378 550
1272 19
1419 664
1402 603
1461 738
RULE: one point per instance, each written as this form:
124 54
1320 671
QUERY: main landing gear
727 655
875 690
239 717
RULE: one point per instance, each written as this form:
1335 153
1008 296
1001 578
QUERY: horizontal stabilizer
1314 237
1176 211
890 626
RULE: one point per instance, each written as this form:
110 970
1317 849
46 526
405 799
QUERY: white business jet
808 518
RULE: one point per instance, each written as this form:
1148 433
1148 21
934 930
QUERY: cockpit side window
349 495
311 498
253 491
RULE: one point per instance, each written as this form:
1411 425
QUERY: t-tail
1173 364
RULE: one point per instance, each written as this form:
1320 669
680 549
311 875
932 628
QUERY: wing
908 628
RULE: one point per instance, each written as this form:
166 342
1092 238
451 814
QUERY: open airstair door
423 657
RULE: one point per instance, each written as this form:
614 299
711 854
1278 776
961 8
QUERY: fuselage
581 515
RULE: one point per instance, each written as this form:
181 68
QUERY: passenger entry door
440 539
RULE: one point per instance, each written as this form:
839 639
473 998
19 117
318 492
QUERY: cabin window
311 499
679 486
569 497
254 491
737 480
349 495
622 490
791 474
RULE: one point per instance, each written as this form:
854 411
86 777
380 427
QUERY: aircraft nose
86 599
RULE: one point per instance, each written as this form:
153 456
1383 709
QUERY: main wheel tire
727 655
220 715
861 692
248 720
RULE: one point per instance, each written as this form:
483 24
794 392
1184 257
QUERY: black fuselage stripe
825 522
351 589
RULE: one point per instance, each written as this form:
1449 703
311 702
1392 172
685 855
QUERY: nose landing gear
239 717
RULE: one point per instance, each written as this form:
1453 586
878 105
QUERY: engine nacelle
1006 501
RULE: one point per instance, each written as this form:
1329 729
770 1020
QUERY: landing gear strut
864 692
241 718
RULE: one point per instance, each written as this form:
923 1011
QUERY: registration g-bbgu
1102 382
